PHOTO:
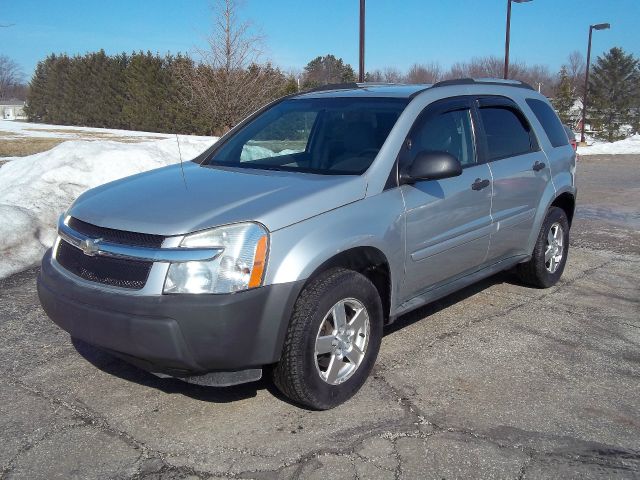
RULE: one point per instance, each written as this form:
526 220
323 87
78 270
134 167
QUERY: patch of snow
43 130
628 146
36 189
256 152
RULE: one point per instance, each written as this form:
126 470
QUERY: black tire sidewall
349 285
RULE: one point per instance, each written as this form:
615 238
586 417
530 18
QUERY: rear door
447 221
520 174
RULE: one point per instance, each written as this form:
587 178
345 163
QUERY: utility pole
599 26
507 42
361 57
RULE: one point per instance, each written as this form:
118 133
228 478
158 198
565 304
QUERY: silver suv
291 242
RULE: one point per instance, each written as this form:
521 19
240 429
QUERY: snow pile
35 190
629 146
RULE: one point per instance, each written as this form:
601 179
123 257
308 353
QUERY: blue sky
399 32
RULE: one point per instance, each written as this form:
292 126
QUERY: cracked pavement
495 381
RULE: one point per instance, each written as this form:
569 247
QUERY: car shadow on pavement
119 368
434 307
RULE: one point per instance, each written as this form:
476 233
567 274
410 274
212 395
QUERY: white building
12 110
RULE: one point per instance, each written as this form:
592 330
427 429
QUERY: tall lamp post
361 57
599 26
508 38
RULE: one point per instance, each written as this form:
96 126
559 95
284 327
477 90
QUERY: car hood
166 202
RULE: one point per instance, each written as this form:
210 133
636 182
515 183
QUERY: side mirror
431 166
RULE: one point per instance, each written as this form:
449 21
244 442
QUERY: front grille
116 272
116 236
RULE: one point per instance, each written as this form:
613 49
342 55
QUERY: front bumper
179 335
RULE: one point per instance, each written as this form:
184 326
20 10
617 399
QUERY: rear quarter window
550 122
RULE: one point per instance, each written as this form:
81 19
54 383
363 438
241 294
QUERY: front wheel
332 341
550 252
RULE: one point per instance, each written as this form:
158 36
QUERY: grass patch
57 130
21 147
4 133
88 135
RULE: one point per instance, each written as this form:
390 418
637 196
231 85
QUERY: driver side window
449 132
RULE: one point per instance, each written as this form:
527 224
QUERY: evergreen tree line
145 91
138 91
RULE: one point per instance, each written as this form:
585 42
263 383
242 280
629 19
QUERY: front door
447 221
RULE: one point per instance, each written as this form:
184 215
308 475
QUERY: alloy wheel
342 340
554 248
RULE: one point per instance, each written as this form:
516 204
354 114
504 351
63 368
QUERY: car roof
398 90
389 90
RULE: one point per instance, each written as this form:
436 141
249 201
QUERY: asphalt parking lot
496 381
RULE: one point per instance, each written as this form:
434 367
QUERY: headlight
240 266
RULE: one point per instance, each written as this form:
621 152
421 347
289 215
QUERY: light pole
361 63
508 37
599 26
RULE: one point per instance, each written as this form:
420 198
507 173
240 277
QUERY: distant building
12 110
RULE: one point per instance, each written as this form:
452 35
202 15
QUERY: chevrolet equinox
289 244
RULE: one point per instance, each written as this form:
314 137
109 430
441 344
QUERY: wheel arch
551 197
368 261
567 202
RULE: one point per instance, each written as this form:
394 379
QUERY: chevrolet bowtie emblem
89 246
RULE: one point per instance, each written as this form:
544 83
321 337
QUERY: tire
313 379
540 272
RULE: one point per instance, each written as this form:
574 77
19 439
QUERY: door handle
538 166
480 184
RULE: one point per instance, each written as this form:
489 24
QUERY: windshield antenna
181 167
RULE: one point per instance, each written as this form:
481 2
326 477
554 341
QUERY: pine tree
564 97
326 70
35 107
613 93
145 87
290 86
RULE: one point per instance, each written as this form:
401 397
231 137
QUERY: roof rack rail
334 86
483 81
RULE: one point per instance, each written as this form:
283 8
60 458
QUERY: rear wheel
333 340
550 252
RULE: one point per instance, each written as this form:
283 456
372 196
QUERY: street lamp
599 26
508 39
361 63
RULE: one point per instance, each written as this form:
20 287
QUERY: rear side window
550 122
506 133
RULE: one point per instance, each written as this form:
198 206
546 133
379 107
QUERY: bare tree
230 81
537 76
10 76
480 67
392 75
424 73
576 66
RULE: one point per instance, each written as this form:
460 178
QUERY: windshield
319 135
